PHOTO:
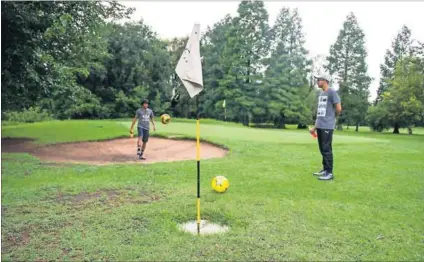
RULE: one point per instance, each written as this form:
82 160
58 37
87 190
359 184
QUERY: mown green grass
275 208
65 131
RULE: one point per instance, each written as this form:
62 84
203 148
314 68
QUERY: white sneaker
320 173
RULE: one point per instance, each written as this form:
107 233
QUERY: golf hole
206 228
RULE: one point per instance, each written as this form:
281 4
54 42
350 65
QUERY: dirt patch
16 240
52 164
17 145
3 211
107 197
113 151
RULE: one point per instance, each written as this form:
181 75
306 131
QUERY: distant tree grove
74 60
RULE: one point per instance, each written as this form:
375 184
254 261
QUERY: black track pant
325 138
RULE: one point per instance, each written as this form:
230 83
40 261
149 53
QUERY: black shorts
143 133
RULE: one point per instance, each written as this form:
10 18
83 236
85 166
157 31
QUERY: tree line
73 60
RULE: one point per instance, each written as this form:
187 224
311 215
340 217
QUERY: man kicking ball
328 108
144 115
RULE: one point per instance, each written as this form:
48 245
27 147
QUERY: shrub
31 115
378 118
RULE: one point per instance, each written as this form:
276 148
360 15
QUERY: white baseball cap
323 76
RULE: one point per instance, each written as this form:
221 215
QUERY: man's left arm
337 103
152 119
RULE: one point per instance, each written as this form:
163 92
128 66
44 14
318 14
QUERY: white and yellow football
165 118
220 184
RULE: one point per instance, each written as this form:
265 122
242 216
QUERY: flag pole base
206 228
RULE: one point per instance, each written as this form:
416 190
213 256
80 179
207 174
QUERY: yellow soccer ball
165 118
220 184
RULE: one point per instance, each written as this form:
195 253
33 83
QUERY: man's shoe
140 155
327 176
320 173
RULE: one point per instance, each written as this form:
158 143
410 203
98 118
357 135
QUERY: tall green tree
286 83
46 46
403 102
347 61
401 47
137 67
23 76
214 41
243 64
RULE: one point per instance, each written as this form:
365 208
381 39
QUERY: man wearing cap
329 108
144 115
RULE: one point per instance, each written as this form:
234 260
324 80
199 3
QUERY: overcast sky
322 22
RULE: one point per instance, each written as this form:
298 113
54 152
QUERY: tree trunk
245 119
409 131
282 124
357 128
396 129
282 121
279 122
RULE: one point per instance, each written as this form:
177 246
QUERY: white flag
223 104
189 67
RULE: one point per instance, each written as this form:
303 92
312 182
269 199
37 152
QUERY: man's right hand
312 130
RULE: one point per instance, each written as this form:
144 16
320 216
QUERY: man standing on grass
144 115
329 108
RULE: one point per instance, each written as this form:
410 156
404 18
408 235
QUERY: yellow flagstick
189 70
198 164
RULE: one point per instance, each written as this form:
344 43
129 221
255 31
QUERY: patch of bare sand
114 151
206 228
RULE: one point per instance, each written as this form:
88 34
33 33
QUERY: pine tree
243 61
286 82
347 62
401 47
214 42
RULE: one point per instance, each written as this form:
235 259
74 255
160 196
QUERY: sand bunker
113 151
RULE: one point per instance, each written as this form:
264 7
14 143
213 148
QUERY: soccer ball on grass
220 184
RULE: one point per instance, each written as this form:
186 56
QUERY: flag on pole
189 70
189 67
223 104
